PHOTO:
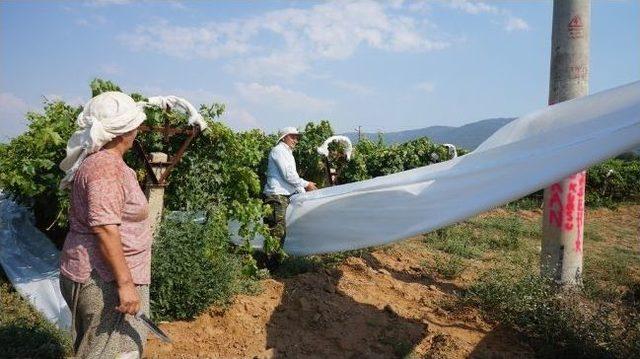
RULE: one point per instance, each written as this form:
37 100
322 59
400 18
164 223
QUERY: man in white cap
283 180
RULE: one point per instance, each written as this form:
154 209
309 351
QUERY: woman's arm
111 249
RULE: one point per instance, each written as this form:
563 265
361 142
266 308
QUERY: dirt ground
378 306
383 304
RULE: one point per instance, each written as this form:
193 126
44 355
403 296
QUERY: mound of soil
381 305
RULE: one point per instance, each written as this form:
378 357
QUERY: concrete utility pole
563 218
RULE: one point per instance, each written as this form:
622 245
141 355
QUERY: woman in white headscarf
105 267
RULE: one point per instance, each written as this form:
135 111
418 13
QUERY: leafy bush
373 159
29 165
192 267
613 181
309 162
608 183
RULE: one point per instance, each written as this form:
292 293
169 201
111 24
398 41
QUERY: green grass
472 238
608 277
24 333
593 232
525 203
450 267
292 266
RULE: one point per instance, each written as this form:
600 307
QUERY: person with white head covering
283 180
105 264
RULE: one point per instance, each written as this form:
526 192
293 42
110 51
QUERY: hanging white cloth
195 119
525 155
324 148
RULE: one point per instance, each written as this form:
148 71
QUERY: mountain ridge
467 136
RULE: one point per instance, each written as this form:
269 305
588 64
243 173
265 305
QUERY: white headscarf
107 116
324 149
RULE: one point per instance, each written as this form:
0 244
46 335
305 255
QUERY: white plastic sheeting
31 262
525 155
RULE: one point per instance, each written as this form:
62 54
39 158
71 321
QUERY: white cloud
280 98
516 24
283 65
353 87
474 7
326 31
427 87
92 20
12 115
240 119
419 6
11 102
110 69
511 23
101 3
210 41
73 100
177 4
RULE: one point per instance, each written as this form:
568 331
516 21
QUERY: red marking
569 210
579 71
555 216
578 244
555 206
580 220
576 28
575 22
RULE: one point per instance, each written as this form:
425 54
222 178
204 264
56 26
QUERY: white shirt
282 175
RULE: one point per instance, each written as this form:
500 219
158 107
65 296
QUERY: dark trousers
277 219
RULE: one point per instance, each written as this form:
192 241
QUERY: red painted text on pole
555 206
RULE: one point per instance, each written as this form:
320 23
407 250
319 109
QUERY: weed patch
25 333
450 267
559 322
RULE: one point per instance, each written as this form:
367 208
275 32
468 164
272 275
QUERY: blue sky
386 66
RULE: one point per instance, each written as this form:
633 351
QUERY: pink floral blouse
105 191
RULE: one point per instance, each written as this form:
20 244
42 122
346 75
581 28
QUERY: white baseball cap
287 131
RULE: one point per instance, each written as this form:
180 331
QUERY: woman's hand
129 299
111 249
